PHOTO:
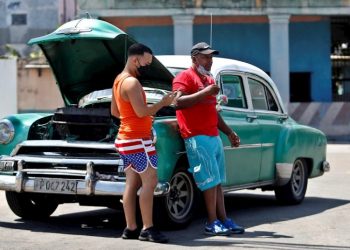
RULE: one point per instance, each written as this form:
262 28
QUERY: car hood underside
87 54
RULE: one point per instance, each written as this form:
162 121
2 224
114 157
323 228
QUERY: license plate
61 186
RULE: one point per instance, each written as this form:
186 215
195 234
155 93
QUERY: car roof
220 64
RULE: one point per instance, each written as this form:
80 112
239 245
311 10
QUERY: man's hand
169 98
212 89
234 139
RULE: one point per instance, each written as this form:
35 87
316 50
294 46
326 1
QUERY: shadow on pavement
249 210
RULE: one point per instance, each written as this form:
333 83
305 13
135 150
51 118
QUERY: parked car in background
69 156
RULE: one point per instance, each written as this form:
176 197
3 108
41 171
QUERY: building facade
300 43
21 20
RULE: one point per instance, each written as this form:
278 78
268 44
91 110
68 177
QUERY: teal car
47 159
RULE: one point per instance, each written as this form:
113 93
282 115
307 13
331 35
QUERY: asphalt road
322 221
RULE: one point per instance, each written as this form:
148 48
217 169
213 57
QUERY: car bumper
326 167
21 183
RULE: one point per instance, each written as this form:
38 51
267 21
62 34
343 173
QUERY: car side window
262 98
233 88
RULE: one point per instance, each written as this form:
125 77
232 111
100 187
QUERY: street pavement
322 221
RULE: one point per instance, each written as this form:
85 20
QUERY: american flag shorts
137 154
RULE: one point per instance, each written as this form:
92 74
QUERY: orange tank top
131 126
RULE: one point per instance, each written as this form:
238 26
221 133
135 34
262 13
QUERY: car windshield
175 71
105 95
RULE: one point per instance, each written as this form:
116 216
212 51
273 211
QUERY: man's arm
133 90
184 101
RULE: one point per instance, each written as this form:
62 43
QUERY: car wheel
30 208
182 200
294 191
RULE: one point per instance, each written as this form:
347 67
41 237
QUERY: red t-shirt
201 118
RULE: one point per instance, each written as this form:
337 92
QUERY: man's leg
210 198
228 223
149 181
220 204
133 183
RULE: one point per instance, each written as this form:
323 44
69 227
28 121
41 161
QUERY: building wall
159 38
37 89
42 17
247 39
310 49
3 28
8 86
155 32
244 38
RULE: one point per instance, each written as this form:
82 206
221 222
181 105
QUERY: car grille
58 158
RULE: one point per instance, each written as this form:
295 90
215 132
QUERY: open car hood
87 54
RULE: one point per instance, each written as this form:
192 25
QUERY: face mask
143 69
201 70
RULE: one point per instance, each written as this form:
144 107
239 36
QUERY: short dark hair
138 49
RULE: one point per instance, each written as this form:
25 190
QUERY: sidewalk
338 148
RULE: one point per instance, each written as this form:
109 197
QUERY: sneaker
130 234
153 235
231 225
216 228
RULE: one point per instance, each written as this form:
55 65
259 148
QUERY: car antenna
211 29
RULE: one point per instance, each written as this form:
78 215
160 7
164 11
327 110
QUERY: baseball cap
203 48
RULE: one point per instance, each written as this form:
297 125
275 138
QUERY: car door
242 163
271 119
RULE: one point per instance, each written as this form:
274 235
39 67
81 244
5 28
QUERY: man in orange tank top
134 143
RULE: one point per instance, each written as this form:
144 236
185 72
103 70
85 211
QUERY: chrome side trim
250 185
283 173
243 146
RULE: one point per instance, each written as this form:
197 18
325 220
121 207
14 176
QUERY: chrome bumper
326 167
89 183
84 187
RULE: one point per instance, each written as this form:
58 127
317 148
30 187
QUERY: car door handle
250 118
282 118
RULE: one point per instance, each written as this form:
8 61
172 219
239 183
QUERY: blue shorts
207 161
137 154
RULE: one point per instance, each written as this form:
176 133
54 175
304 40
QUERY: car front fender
169 147
21 124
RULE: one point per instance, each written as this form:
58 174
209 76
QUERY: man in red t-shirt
199 124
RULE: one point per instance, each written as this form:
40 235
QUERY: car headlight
7 131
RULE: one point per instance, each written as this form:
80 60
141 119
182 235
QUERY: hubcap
181 194
298 177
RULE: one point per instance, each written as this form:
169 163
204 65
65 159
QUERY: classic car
68 156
